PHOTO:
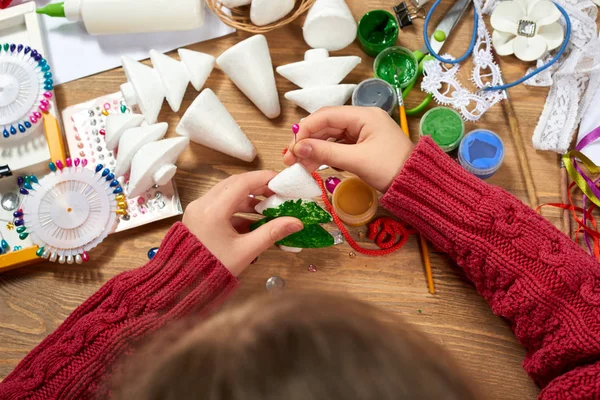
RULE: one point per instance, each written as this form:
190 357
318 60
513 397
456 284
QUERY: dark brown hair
292 347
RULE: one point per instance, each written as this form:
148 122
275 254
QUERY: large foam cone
198 65
329 25
174 77
143 88
295 183
133 139
208 123
116 124
314 98
318 69
154 164
264 12
248 64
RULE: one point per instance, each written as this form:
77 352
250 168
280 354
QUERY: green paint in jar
397 66
445 126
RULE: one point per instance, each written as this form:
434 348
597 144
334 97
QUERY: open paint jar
377 30
375 92
445 126
397 66
481 152
355 202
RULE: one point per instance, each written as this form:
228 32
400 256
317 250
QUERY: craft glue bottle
107 17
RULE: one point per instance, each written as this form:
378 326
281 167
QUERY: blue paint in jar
481 152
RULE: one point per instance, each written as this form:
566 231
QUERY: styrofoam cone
199 66
330 25
295 183
208 123
116 124
174 77
143 88
264 12
288 249
248 64
154 163
319 71
133 139
274 202
314 98
235 3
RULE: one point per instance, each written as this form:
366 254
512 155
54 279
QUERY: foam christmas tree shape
143 88
174 77
132 140
318 69
264 12
329 25
116 124
295 183
235 3
154 164
198 65
248 64
207 122
314 98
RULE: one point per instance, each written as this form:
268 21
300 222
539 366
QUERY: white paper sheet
74 54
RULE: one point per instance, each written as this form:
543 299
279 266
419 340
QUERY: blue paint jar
481 152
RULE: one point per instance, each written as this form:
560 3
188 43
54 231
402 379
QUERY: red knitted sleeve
72 363
529 272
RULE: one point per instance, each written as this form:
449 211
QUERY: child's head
293 347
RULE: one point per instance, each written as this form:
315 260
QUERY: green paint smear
307 212
311 237
397 69
444 126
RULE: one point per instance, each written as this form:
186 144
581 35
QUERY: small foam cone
248 64
271 202
116 124
264 12
154 164
314 98
207 122
133 139
198 65
174 77
143 88
235 3
295 183
319 71
329 25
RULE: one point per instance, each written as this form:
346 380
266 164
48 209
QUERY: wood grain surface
35 300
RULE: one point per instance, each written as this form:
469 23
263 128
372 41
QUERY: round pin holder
481 152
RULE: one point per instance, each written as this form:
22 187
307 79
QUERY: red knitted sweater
531 274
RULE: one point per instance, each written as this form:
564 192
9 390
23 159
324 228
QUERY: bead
43 62
331 183
84 161
48 95
22 128
19 48
23 191
76 162
123 109
6 46
275 284
33 119
141 200
102 132
43 108
99 167
18 214
24 236
34 179
5 133
4 244
80 145
27 124
28 186
40 252
19 222
121 212
53 257
45 102
107 106
78 259
295 129
118 190
46 254
20 181
34 53
48 82
37 115
114 183
1 251
21 229
70 259
27 179
122 204
13 47
120 197
48 87
39 58
152 252
59 164
105 172
85 257
69 162
52 166
27 49
13 130
46 76
110 177
61 259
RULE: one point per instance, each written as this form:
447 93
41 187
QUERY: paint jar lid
377 30
481 152
376 92
445 126
397 66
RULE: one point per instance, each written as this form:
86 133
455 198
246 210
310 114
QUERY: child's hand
375 147
211 218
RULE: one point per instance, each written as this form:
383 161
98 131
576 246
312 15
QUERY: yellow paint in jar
355 202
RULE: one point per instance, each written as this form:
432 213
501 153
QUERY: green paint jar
445 126
397 66
377 30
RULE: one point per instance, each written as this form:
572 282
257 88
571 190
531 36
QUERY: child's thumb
323 152
270 233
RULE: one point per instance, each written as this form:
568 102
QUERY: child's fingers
247 205
237 188
313 152
270 233
345 119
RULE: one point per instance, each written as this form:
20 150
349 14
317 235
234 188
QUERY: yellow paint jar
355 202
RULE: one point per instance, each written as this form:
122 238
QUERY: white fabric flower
526 28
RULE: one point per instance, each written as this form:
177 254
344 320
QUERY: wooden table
35 300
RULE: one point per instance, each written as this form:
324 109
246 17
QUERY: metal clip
5 171
406 13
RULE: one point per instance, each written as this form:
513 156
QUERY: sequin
275 284
152 253
158 195
312 268
352 254
161 204
9 201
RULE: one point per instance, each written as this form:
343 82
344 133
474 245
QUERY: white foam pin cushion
132 140
248 64
143 88
264 12
199 66
207 122
116 124
314 98
330 25
295 183
173 76
235 3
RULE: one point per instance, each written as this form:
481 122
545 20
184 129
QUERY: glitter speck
338 237
10 226
275 284
352 254
312 268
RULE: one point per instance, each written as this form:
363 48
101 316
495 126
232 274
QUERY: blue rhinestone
118 190
99 167
13 47
52 166
43 62
20 181
13 131
4 244
24 191
34 179
5 133
46 68
38 58
105 172
48 87
19 48
27 49
22 128
114 183
18 214
48 75
110 177
19 222
34 53
27 124
28 186
48 82
152 252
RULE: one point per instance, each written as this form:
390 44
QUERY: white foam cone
330 25
235 3
270 202
154 164
198 65
264 12
314 98
295 183
116 124
248 64
132 140
208 123
174 77
319 71
143 88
